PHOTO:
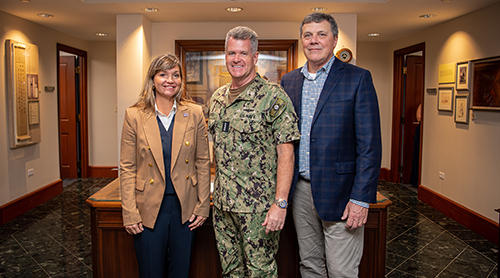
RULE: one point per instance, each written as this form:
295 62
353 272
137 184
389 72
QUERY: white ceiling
393 19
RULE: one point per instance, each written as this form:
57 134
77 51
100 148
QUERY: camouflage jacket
246 133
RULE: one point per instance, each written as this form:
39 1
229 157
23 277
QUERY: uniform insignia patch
278 103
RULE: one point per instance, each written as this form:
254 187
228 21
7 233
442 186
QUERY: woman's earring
153 88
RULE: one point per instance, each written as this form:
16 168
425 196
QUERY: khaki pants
326 249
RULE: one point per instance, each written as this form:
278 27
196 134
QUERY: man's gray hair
320 17
244 33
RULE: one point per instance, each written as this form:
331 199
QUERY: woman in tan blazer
164 171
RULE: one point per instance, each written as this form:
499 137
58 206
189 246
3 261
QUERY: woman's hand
196 221
134 229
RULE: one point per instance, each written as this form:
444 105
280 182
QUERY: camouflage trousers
244 248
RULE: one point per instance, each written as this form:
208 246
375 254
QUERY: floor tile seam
418 223
454 259
83 211
465 242
434 222
398 214
494 269
414 254
28 254
69 251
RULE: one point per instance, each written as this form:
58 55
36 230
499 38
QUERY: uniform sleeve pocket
348 167
140 184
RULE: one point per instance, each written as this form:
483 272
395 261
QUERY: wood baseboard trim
103 172
23 204
384 174
468 218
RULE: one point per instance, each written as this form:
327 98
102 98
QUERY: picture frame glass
445 99
205 67
462 77
461 109
485 93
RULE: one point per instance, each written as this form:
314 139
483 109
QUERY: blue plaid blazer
346 147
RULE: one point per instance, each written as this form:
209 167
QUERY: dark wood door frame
397 109
82 55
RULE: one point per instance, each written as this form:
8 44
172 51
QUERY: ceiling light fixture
45 15
151 10
100 34
427 16
234 9
25 1
319 9
373 34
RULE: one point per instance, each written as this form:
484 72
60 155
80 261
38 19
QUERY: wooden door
68 144
413 97
399 106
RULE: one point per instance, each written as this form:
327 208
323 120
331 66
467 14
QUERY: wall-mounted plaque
22 93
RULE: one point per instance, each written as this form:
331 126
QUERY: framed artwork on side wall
461 109
485 87
445 99
462 77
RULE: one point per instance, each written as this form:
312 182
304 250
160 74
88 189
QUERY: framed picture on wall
461 109
485 87
462 77
445 99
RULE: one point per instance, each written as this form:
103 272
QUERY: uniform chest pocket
247 125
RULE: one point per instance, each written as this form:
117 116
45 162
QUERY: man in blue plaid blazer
339 154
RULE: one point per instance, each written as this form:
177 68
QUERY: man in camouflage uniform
253 125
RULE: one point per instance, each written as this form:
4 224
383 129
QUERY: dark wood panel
109 242
23 204
103 172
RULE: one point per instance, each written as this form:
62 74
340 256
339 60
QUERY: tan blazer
142 173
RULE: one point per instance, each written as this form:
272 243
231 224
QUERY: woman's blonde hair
161 63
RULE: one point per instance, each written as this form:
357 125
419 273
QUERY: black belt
304 179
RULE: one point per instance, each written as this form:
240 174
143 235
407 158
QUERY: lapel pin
185 114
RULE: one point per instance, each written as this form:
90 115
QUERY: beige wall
102 95
469 155
44 156
375 57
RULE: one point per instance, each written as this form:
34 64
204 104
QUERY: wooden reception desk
113 253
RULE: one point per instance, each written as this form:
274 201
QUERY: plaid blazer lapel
331 82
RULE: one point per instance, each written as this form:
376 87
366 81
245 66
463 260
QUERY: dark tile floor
53 240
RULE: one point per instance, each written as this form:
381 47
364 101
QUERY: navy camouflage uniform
246 133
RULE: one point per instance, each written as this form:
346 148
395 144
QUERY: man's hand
356 216
275 219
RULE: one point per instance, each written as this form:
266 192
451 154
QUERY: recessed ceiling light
319 9
100 34
427 16
45 15
151 10
373 34
234 9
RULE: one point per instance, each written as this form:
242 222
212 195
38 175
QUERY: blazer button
187 161
187 143
187 177
151 181
149 148
150 164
